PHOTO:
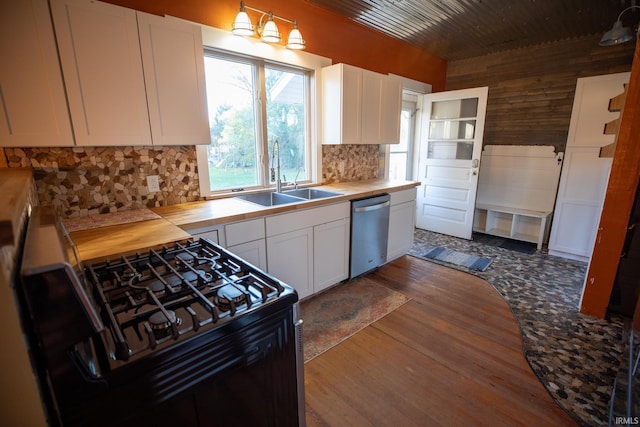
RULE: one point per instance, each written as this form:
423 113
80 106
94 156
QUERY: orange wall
326 34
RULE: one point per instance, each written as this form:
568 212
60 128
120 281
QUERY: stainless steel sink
270 198
310 193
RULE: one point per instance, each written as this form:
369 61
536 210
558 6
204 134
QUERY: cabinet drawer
403 196
245 231
284 223
211 235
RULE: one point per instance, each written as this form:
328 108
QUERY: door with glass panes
449 160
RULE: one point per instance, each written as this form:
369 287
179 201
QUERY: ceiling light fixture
618 34
268 29
242 25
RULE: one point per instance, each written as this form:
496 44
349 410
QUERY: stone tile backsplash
84 181
344 163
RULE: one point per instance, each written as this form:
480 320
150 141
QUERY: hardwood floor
452 356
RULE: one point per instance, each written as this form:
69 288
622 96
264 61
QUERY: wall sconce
618 34
268 29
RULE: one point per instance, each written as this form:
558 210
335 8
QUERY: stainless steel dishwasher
369 233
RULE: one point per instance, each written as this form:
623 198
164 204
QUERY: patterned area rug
333 316
454 257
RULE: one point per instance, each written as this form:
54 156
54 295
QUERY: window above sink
291 66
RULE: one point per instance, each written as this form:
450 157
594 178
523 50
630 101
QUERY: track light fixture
267 28
618 34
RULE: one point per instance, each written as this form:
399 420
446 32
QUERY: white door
452 125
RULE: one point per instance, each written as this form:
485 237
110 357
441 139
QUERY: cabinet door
341 104
390 111
351 105
173 62
102 68
372 84
253 252
583 183
402 219
33 111
330 253
381 106
290 259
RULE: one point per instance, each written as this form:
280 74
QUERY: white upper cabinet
360 106
390 111
381 107
33 105
172 58
102 67
132 78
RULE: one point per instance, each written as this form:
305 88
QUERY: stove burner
229 297
185 258
157 288
127 275
161 325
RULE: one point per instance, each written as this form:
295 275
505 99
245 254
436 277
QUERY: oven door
237 375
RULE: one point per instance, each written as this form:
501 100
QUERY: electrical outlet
341 166
153 183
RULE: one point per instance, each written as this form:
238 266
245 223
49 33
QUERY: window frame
412 91
224 42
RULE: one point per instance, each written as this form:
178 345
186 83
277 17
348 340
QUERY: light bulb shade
295 40
270 33
242 25
616 35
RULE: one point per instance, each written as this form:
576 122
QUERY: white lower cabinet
402 221
254 252
290 259
330 253
309 249
247 240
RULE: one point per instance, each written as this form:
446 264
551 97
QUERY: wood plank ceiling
458 29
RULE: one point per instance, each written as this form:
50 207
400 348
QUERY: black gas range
187 334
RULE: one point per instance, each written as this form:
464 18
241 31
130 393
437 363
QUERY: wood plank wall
531 90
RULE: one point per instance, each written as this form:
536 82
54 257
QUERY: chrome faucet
276 145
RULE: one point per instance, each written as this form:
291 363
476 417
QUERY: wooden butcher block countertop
99 243
171 221
218 211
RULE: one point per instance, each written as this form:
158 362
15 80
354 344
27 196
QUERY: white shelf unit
519 224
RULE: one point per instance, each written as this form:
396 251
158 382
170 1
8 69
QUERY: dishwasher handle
372 207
